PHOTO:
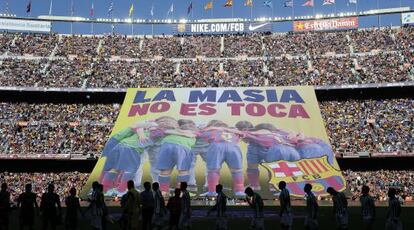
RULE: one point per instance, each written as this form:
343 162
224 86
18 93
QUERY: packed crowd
256 44
379 182
106 73
282 59
370 125
55 128
63 182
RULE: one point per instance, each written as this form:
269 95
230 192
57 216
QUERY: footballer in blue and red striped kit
224 147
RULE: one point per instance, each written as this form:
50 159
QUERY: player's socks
108 180
164 183
213 179
238 181
253 176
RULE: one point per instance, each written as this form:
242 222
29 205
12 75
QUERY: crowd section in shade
115 61
353 126
378 181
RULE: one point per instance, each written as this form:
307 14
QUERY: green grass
325 219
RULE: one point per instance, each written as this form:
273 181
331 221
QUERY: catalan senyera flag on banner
229 3
269 133
248 3
131 10
209 5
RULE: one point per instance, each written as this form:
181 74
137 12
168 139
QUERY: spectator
132 207
27 204
4 207
147 201
72 209
50 201
174 207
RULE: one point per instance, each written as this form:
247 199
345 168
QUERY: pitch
239 219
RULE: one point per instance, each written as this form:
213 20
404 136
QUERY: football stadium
199 114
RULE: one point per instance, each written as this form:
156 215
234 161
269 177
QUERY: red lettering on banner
235 108
160 107
273 110
188 109
207 109
298 111
138 110
256 110
142 109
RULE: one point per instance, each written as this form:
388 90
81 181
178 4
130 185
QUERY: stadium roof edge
122 90
78 19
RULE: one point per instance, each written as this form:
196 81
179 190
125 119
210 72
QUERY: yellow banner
206 136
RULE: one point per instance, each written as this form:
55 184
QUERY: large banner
223 28
25 25
204 136
326 24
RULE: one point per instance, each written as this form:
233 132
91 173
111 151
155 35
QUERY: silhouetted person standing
255 201
174 206
367 208
4 207
50 208
185 217
132 207
27 204
72 209
158 219
220 208
96 206
312 208
340 208
285 213
147 201
104 207
394 211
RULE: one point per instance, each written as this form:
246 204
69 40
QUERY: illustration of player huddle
168 143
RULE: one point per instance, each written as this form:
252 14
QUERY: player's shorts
286 219
282 152
326 148
310 150
224 152
123 158
110 144
256 154
171 155
153 152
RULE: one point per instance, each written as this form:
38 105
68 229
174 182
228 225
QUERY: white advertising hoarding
25 25
407 18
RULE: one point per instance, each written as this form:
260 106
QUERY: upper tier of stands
111 61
